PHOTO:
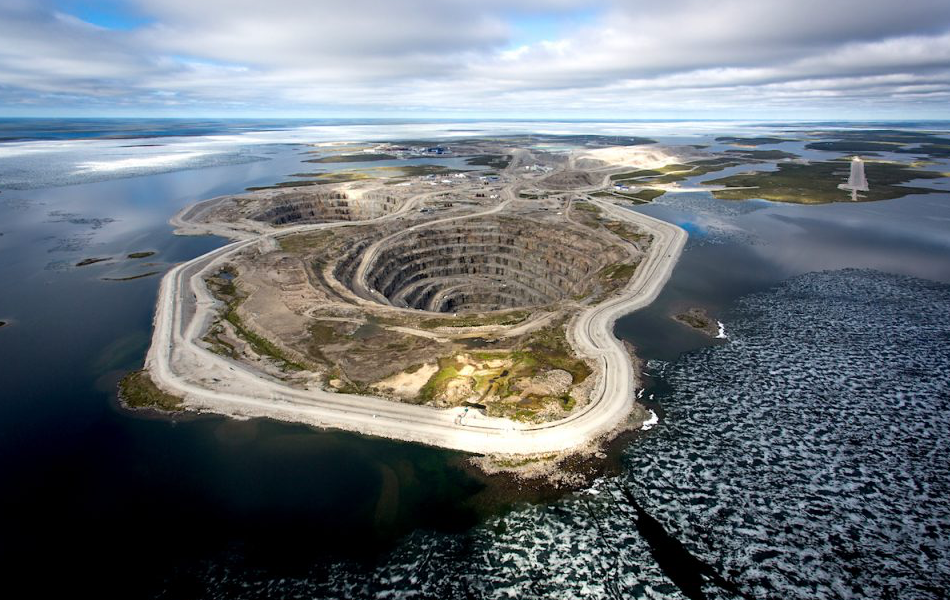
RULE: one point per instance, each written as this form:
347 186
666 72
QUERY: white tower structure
857 182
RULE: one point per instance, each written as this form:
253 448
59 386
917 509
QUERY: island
460 294
699 319
470 310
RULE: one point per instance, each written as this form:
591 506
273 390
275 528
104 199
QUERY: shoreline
207 382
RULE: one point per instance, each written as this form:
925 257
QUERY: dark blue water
85 485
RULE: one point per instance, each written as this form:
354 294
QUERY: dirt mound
571 180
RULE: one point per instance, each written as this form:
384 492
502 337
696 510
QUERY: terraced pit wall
299 208
485 264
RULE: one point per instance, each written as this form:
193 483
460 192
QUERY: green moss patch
131 277
350 158
322 179
224 288
305 242
423 170
137 390
448 370
854 146
629 233
91 261
817 183
762 154
619 271
506 318
549 347
752 141
495 161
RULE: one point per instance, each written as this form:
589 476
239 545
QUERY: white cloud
627 59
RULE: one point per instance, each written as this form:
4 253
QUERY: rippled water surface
804 459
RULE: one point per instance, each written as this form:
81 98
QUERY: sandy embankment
636 157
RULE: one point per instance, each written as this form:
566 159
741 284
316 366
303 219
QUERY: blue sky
110 15
807 59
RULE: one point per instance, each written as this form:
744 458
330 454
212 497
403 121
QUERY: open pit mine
469 307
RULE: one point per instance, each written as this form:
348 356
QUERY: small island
131 277
699 319
91 261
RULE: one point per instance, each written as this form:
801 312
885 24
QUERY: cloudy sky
462 58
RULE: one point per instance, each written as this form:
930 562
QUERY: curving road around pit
212 383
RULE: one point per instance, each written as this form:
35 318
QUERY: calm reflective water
85 484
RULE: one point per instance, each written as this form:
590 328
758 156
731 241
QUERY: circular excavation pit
488 264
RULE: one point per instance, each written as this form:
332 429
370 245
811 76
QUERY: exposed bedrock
309 207
485 264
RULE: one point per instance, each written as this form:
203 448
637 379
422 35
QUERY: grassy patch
91 261
351 158
567 402
751 141
894 140
215 342
588 207
498 385
507 318
644 196
448 370
635 174
854 146
261 346
322 333
549 347
302 242
649 194
323 178
513 463
586 213
628 232
693 320
131 277
422 170
698 319
931 150
618 271
354 387
817 183
495 161
226 291
763 154
675 172
137 390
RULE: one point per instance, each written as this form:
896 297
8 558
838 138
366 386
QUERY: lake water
209 507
